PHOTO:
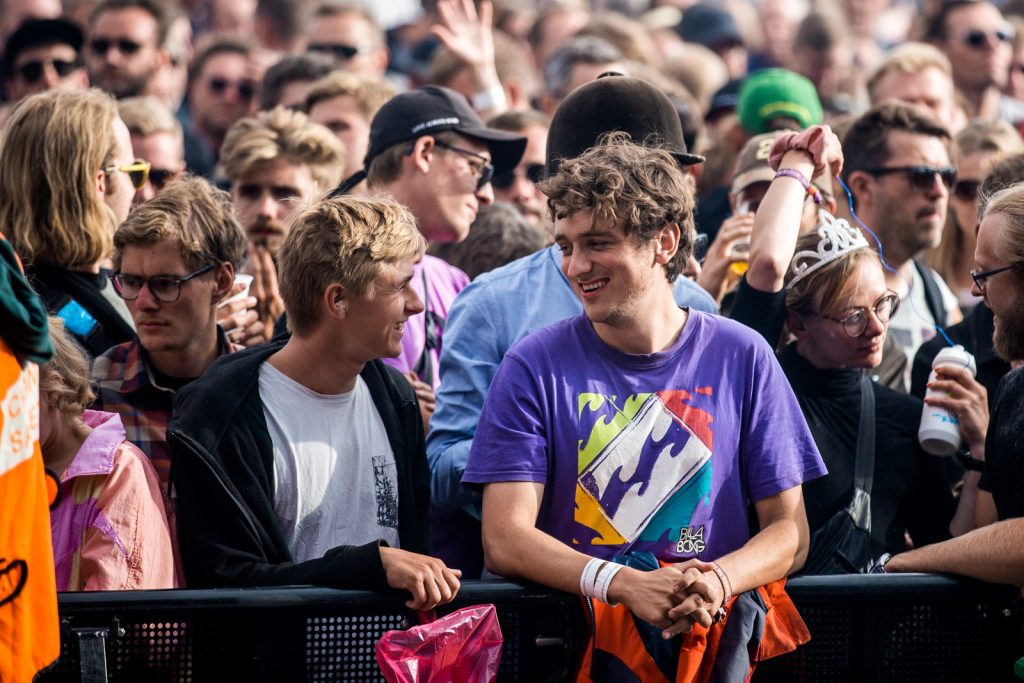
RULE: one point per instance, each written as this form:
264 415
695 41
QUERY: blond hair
345 241
53 146
1010 203
909 58
65 377
997 137
146 116
193 212
369 93
640 187
282 133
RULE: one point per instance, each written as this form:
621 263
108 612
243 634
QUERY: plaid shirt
125 385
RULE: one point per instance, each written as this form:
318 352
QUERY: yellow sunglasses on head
138 172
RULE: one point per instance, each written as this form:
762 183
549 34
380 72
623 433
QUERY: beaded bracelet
802 179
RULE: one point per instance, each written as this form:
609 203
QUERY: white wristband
492 98
589 577
604 580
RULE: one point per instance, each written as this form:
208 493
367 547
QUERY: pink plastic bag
463 646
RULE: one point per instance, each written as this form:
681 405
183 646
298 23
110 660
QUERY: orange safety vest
624 649
29 626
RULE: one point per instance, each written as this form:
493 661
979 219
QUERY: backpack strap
932 294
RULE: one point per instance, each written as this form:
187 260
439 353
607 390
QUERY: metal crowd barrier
864 628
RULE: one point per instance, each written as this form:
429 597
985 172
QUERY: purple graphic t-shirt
660 453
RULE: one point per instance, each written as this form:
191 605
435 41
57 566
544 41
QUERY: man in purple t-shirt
640 426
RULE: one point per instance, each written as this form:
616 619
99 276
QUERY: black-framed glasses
534 173
481 165
165 288
921 178
976 38
138 172
245 89
101 46
981 277
339 50
161 176
856 319
32 71
967 190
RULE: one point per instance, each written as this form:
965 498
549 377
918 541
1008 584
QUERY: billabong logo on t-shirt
691 540
645 459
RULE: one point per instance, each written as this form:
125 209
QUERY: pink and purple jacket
110 529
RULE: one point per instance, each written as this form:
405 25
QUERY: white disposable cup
939 433
243 295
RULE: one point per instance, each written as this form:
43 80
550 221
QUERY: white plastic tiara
838 238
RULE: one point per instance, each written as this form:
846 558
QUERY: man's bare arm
777 550
514 547
992 553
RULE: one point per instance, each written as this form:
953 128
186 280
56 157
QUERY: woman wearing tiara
827 289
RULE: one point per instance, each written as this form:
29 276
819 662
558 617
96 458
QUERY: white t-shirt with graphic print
335 478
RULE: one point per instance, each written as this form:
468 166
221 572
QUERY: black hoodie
223 473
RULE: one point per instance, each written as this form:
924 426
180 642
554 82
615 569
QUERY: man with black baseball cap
431 152
501 307
43 54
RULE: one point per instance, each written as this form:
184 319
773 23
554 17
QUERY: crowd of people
643 301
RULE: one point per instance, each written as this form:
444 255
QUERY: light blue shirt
490 315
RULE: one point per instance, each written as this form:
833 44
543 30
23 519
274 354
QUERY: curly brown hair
620 181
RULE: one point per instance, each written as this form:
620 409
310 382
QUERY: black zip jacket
223 473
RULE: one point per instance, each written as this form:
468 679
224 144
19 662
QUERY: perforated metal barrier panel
297 634
884 628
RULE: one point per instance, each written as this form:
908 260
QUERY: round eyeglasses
855 321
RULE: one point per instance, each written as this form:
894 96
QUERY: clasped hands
672 598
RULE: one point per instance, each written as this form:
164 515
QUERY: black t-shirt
1003 475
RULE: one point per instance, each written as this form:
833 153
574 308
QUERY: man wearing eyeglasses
43 54
432 153
126 45
899 171
979 43
175 259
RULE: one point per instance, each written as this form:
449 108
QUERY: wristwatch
970 463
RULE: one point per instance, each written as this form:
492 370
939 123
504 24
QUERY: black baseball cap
615 103
709 24
429 110
39 33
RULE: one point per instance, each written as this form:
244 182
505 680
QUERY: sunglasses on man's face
246 89
967 190
31 72
977 38
138 172
101 46
342 52
533 172
920 178
161 176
